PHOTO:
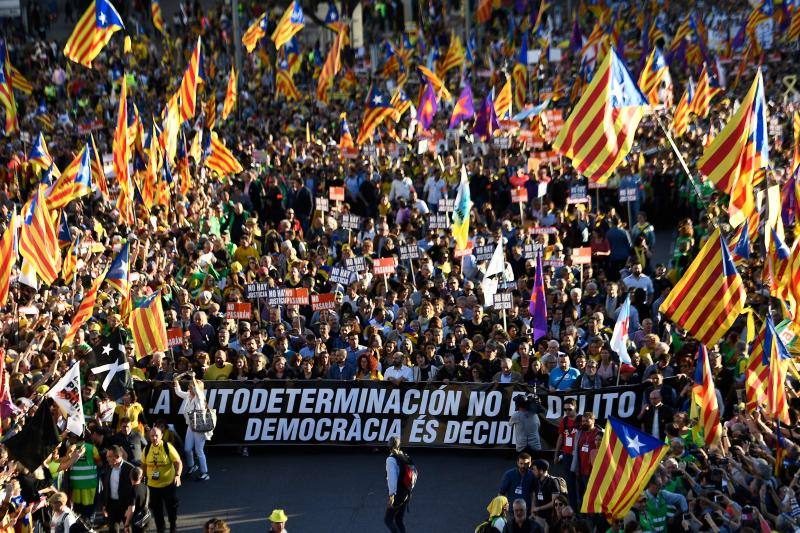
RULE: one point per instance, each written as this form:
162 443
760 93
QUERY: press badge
585 448
156 474
518 490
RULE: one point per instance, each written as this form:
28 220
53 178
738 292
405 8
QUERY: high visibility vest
83 474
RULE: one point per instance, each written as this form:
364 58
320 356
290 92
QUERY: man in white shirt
401 187
398 372
637 280
435 189
117 488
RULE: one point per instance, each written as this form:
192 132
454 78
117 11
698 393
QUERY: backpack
407 479
561 485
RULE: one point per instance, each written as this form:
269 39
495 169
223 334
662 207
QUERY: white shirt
401 189
435 190
643 282
113 482
396 373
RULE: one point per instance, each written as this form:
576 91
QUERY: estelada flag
710 296
148 326
599 132
626 460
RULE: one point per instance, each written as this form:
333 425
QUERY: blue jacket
346 373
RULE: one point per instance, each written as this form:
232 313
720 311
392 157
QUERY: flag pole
681 159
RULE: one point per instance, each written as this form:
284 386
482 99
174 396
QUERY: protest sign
297 296
238 310
253 291
342 276
174 337
384 266
323 301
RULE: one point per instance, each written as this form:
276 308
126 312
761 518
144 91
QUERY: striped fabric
599 133
776 405
455 56
731 159
329 70
626 460
502 103
85 310
74 182
158 17
70 263
680 34
94 29
255 33
39 155
346 139
377 109
220 159
703 93
290 23
680 119
705 395
230 94
20 82
37 241
188 90
121 157
284 84
148 326
7 91
756 373
710 296
793 33
8 257
655 72
437 82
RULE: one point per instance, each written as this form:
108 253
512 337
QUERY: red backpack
407 479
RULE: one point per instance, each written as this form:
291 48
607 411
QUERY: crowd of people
428 321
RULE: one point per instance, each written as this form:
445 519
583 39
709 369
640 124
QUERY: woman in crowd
195 441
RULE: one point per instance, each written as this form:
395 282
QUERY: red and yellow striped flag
148 326
74 182
220 159
70 263
98 174
502 104
704 92
329 70
230 94
680 119
776 406
255 33
158 17
85 310
188 90
7 91
284 84
655 71
704 394
437 82
291 22
121 157
454 57
710 296
626 460
37 241
94 29
484 12
756 373
20 82
378 108
793 32
734 155
599 133
8 256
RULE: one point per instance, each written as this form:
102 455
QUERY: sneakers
192 470
204 477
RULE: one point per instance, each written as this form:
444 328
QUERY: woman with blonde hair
194 442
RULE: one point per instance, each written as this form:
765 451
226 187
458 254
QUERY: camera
529 402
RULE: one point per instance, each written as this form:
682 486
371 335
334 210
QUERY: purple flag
427 107
538 306
486 121
464 108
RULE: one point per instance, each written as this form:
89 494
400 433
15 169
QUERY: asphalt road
340 490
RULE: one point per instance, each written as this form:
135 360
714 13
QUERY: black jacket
125 485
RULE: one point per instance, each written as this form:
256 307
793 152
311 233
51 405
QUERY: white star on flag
107 349
102 19
377 100
634 443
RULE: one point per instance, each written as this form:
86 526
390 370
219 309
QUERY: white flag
27 275
619 340
67 395
498 262
489 286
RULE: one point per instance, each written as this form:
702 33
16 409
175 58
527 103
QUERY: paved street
340 490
